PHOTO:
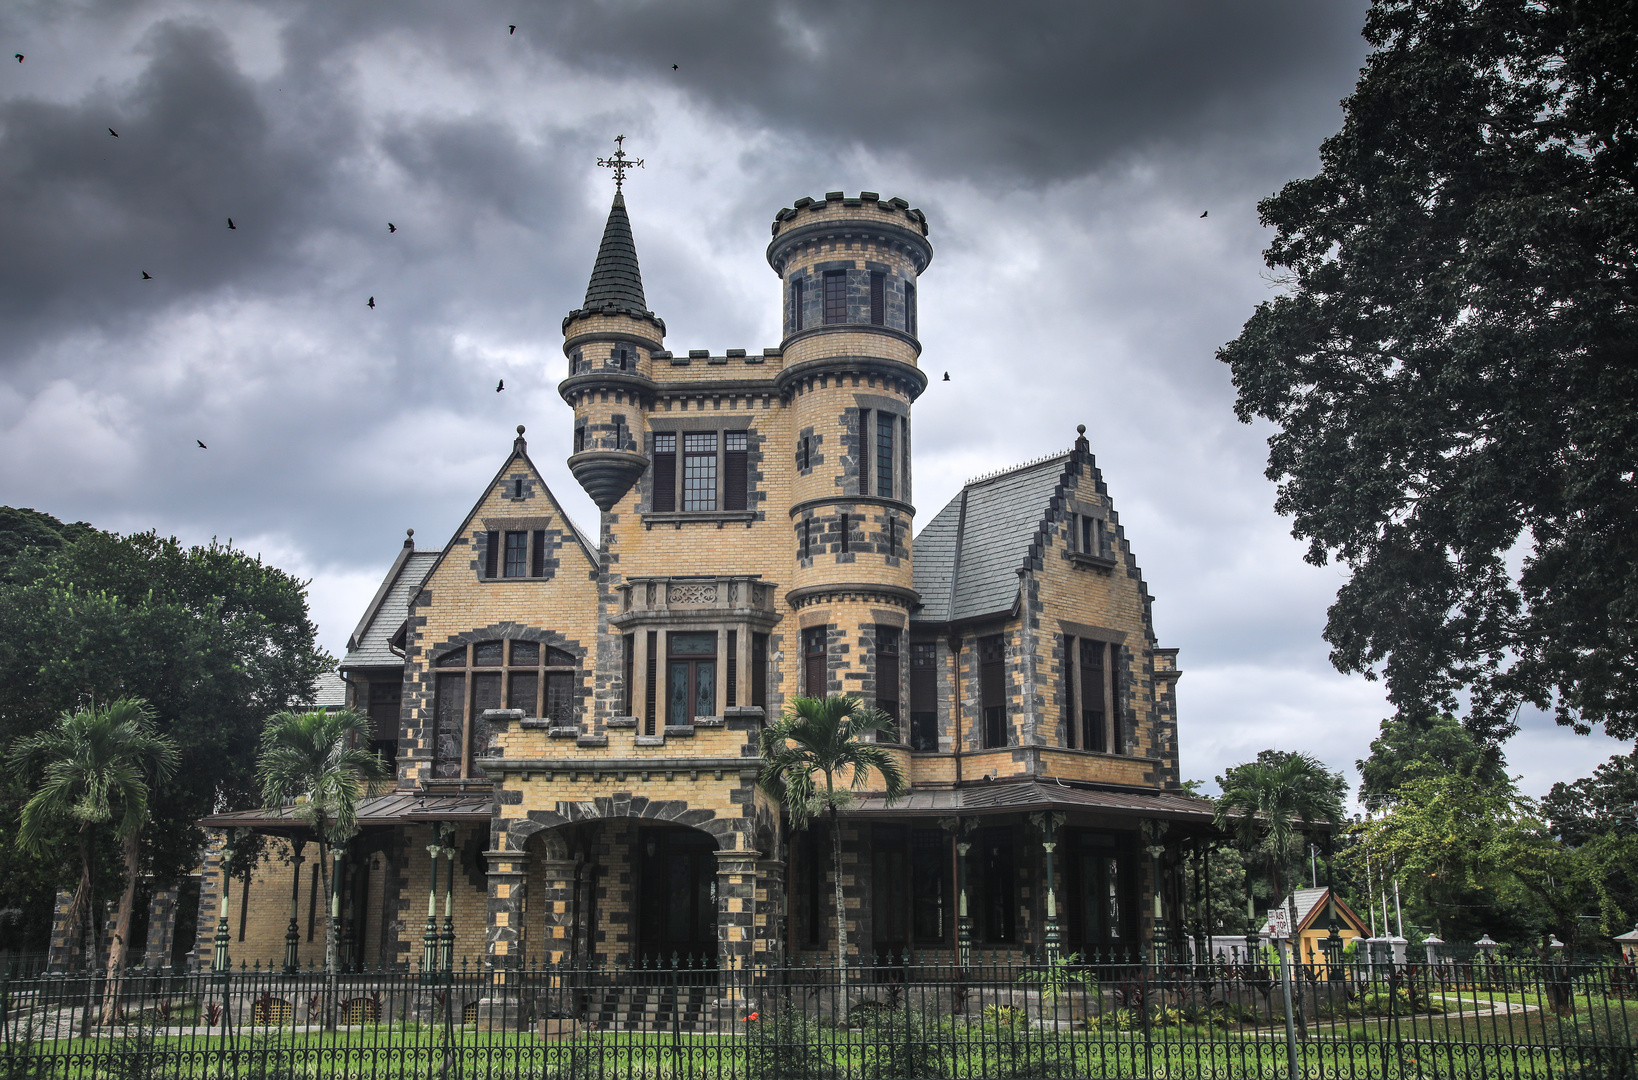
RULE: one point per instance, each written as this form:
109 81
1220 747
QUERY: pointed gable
518 499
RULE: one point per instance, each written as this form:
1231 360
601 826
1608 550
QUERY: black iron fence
1488 1019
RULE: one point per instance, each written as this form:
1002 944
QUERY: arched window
525 675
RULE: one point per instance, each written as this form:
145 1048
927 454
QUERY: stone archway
534 847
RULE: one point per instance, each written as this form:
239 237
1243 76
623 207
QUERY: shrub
907 1047
783 1044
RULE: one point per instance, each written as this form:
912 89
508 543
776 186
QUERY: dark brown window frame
835 296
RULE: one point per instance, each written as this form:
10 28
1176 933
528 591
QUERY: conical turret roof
615 278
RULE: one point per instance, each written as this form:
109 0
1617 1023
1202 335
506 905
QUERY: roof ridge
984 478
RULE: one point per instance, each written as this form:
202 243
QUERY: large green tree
1452 366
210 636
1449 837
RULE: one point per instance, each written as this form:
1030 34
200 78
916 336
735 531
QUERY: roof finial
619 162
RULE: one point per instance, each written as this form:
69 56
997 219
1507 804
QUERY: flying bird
19 57
114 133
202 446
673 67
1203 213
500 386
511 28
946 376
391 227
371 304
146 276
231 225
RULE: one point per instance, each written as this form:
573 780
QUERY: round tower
609 342
850 267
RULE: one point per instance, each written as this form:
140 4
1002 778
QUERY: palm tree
97 761
319 760
821 737
1274 802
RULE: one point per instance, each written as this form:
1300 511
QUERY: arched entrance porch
622 880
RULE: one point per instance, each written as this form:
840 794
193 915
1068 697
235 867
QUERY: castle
573 718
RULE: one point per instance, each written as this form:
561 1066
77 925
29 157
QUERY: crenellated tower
850 268
610 342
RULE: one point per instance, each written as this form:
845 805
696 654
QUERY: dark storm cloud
84 213
1039 89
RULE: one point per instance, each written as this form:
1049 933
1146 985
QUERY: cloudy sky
1063 152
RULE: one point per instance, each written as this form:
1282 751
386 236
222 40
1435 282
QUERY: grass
998 1047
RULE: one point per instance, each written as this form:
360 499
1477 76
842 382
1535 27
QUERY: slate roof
967 558
615 277
387 611
329 692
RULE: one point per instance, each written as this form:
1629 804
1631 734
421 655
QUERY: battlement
836 205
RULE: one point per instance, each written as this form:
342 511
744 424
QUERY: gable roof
1311 908
967 558
520 452
370 643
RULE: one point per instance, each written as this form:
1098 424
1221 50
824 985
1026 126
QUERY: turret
850 267
609 342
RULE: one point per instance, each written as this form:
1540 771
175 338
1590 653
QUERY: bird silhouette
19 57
202 446
231 225
371 304
511 28
946 376
391 227
1203 213
500 386
673 67
114 133
146 276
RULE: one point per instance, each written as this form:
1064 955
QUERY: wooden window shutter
491 554
652 671
630 642
864 451
665 472
731 668
735 470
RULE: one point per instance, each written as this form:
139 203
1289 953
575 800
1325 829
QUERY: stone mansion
572 716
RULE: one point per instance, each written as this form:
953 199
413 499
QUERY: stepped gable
968 556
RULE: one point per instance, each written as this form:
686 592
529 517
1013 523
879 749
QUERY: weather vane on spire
619 162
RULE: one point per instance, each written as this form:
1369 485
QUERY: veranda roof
1013 796
394 808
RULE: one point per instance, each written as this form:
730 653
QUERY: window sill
678 519
1095 562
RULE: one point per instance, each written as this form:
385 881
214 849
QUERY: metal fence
1490 1020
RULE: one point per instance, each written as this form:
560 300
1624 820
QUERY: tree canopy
1452 364
211 637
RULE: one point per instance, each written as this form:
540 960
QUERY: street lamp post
292 933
